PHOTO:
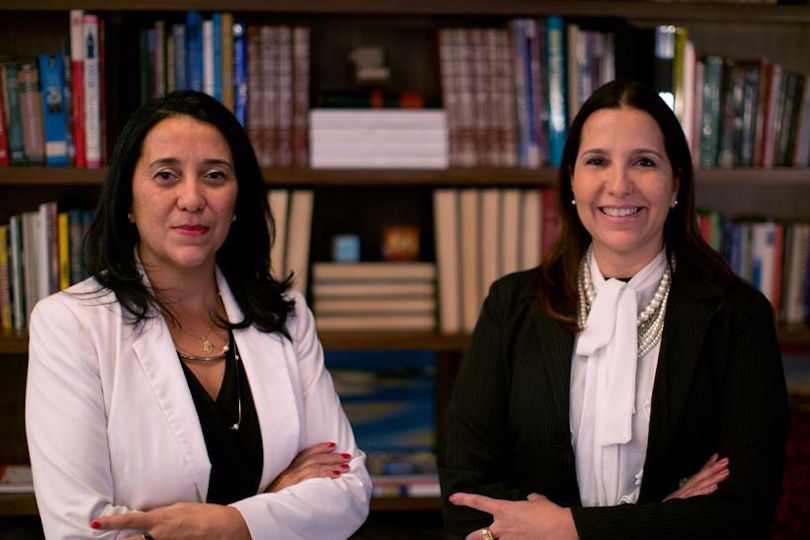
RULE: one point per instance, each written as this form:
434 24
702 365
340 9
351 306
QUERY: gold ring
487 534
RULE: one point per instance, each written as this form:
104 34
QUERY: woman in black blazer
596 386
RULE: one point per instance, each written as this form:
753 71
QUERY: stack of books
374 296
378 138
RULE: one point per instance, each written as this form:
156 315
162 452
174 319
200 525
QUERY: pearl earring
130 218
233 218
573 202
674 203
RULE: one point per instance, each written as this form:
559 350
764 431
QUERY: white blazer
112 427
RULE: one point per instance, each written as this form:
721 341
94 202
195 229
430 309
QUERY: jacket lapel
690 308
157 355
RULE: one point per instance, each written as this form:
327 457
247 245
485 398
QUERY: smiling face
183 195
624 187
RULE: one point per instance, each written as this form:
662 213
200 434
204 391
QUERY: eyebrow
174 161
634 151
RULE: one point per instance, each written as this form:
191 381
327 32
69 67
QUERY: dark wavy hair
558 276
244 258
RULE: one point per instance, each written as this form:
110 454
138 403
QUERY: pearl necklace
649 323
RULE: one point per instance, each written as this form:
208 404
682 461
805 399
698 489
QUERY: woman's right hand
317 461
705 481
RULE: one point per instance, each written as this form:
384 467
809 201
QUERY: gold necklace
205 342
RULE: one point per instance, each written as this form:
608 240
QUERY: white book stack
374 296
378 139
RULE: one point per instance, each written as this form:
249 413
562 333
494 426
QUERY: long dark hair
558 277
244 258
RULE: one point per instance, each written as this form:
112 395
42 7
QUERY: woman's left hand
536 517
180 521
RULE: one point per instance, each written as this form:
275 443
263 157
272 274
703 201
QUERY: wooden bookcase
406 31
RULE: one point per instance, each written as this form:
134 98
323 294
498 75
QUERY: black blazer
719 387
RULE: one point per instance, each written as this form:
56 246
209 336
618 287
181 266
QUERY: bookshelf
781 32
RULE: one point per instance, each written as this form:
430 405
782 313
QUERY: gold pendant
207 345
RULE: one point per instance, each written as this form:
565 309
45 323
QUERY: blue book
52 82
216 20
388 397
240 95
194 52
557 121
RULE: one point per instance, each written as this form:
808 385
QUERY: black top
235 455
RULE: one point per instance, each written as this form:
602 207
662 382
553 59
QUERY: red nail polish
336 473
330 445
95 524
344 466
346 456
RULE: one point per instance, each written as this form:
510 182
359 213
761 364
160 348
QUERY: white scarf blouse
611 389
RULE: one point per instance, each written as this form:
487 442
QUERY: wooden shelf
11 343
638 10
484 176
793 339
24 504
404 504
18 504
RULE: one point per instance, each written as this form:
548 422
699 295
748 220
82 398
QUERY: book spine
208 57
168 43
63 242
52 73
5 158
226 29
558 124
285 106
300 98
194 50
16 272
92 92
11 93
255 97
77 85
159 76
506 97
240 84
180 57
750 104
216 57
31 113
5 283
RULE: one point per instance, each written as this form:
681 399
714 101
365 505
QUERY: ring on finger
486 534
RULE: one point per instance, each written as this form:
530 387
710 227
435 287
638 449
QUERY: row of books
773 256
740 112
481 235
508 91
260 72
359 297
40 254
356 138
51 106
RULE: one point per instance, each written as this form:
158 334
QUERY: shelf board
792 339
11 343
25 504
404 504
634 10
18 504
477 176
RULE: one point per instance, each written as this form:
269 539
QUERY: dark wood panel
628 9
12 402
38 177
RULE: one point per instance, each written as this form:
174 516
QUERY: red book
77 82
778 252
550 219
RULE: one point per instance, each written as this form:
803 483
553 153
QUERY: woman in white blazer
180 392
